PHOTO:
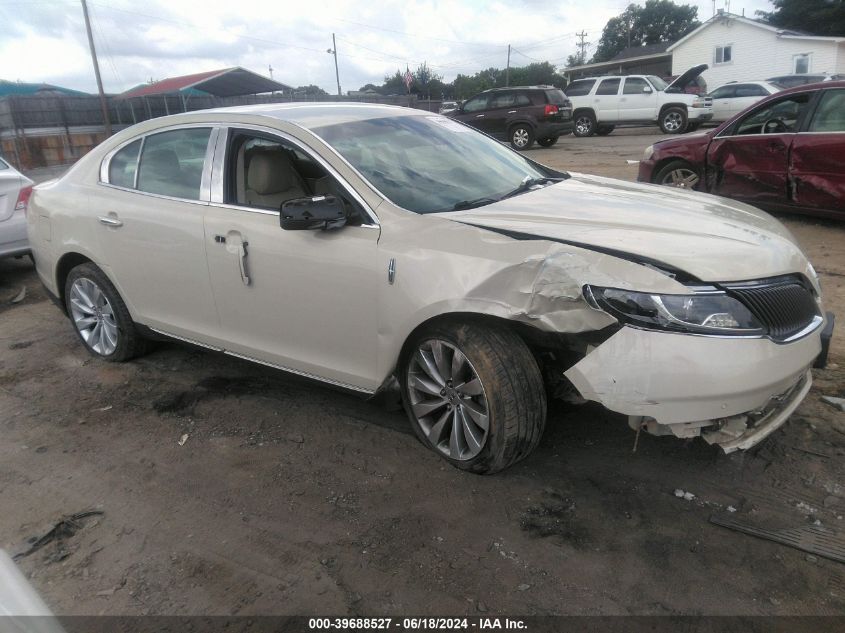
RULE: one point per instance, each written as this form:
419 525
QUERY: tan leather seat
272 179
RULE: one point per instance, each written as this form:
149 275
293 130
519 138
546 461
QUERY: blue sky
44 40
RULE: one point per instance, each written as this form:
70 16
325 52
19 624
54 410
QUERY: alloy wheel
683 178
448 400
583 124
520 137
673 121
93 316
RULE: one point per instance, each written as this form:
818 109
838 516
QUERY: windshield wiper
527 183
472 204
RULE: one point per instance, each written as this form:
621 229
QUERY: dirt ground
287 497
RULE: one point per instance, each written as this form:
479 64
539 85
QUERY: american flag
408 79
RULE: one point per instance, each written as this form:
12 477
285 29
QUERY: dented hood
713 239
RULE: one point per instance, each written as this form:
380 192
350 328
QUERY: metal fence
45 130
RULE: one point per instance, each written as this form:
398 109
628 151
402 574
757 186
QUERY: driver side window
476 104
265 172
776 117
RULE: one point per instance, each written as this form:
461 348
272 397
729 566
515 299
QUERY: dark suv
520 114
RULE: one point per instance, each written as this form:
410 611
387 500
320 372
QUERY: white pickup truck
601 103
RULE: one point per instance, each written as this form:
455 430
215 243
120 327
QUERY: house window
723 54
801 64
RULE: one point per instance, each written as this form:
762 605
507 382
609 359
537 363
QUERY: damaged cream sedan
363 245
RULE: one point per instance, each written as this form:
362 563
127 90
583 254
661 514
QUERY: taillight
550 109
23 198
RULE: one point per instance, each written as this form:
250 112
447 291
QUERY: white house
740 49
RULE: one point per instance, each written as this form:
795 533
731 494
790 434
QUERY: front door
304 300
818 156
473 112
749 161
638 101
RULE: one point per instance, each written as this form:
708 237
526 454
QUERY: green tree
426 82
394 85
819 17
655 22
311 91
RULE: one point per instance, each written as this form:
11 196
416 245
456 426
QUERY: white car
731 99
363 245
601 103
15 190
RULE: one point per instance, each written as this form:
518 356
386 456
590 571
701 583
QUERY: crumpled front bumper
732 391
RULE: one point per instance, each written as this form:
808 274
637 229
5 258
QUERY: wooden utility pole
103 103
508 69
582 47
333 51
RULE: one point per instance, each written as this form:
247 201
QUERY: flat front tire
99 316
474 395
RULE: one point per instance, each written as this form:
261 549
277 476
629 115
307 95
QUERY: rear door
722 102
749 160
818 156
638 101
149 214
606 100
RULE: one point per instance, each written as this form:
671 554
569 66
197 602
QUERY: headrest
162 161
270 172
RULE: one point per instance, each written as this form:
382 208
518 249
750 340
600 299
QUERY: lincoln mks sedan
372 247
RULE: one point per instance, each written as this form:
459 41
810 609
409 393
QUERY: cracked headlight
710 313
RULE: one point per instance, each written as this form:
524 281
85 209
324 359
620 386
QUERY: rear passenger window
504 100
830 117
608 87
579 88
123 165
172 162
751 90
522 99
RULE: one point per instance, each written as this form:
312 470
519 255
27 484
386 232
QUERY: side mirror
646 90
318 212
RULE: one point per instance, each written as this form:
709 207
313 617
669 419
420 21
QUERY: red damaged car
784 153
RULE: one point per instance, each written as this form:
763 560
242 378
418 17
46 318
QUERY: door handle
242 255
511 111
479 116
110 220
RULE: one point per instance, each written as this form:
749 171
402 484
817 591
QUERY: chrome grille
784 306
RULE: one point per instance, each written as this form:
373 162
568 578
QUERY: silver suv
601 103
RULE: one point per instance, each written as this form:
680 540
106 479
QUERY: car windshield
428 164
657 82
3 165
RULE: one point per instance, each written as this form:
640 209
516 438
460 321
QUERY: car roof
820 85
316 114
540 87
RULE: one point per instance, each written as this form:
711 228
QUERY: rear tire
503 390
521 136
673 120
99 316
584 124
547 142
